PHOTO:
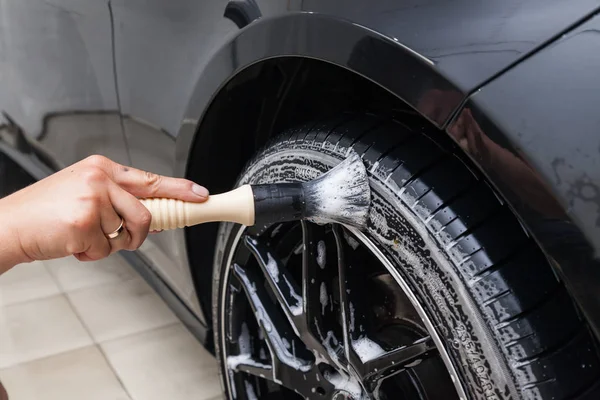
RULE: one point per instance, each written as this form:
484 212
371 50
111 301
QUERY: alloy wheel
310 310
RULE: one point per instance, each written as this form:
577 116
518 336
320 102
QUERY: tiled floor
74 331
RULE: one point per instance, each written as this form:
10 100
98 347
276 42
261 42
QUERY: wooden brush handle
234 206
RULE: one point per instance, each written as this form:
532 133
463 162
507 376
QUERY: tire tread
529 311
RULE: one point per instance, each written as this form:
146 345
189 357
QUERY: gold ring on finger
116 232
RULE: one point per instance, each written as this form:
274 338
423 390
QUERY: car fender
385 61
535 132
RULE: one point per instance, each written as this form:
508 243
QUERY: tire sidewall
413 251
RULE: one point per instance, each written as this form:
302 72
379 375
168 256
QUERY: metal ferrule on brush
280 202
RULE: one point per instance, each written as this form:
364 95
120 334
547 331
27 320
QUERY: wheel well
258 103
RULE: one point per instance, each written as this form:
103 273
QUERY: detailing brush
341 195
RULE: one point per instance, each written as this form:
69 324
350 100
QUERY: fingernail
200 190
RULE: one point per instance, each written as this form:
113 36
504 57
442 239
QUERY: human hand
72 211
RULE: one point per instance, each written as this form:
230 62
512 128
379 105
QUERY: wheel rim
326 317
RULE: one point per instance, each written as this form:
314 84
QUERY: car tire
505 322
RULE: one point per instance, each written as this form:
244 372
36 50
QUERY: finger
136 215
146 184
123 240
110 221
98 249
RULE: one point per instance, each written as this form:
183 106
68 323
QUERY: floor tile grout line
94 343
63 291
21 363
54 278
110 364
168 325
133 276
98 344
100 285
115 373
58 286
46 297
99 347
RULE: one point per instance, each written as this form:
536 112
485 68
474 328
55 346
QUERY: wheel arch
289 46
256 86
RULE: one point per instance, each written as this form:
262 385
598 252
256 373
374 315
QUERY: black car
479 123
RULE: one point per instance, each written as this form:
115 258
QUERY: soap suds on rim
278 346
346 383
351 241
324 298
366 349
234 361
272 267
297 308
321 254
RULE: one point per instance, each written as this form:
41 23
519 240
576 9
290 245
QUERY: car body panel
132 79
543 119
57 77
468 41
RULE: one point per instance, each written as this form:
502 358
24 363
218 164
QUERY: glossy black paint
57 77
536 132
467 41
135 79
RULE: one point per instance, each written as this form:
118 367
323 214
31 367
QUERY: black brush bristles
342 195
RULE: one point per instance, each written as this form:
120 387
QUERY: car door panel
57 77
160 50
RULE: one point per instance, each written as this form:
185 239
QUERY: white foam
319 358
276 341
327 343
346 383
321 254
234 361
297 308
366 349
324 298
351 241
272 267
342 194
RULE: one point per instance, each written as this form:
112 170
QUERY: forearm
11 252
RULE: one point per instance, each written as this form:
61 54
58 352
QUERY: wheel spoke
327 331
353 313
283 285
392 362
244 363
284 362
317 294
